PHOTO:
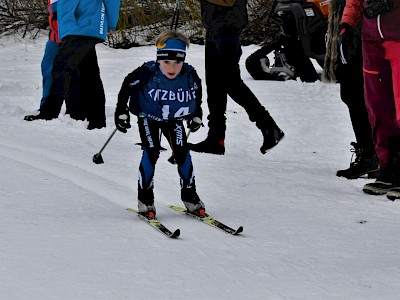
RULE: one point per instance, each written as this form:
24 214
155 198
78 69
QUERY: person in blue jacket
162 94
73 100
81 24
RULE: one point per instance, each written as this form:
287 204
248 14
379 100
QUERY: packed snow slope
65 233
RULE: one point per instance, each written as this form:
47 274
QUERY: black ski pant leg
352 94
217 95
222 55
74 99
231 52
72 50
175 131
149 135
93 96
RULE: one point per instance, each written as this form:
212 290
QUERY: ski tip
175 234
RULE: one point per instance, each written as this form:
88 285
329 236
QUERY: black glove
194 124
122 119
346 47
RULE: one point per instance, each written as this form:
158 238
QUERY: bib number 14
182 111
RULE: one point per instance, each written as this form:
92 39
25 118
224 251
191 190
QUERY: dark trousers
77 53
351 82
150 136
222 55
73 100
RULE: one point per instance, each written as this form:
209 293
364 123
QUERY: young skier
162 94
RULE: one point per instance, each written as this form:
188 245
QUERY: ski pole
175 17
97 158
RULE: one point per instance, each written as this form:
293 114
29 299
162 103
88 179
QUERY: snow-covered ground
65 234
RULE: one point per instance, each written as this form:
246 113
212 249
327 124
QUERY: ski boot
192 202
146 204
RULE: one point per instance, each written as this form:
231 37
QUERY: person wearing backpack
224 21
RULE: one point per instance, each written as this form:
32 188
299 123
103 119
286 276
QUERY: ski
208 220
156 224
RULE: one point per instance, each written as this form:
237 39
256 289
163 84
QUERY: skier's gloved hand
122 119
346 47
194 124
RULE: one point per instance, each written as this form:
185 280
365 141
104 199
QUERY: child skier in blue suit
162 94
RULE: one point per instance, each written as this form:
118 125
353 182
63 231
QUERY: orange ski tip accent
370 71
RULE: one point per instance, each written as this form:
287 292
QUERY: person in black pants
79 32
351 79
351 82
224 22
76 56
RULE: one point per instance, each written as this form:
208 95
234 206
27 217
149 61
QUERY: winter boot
382 185
49 110
271 132
146 203
389 176
364 164
96 125
209 145
394 144
192 202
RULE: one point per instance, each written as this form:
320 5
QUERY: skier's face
171 68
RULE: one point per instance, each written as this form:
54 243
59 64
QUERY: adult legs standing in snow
380 85
381 50
76 54
79 32
73 100
352 93
350 77
224 25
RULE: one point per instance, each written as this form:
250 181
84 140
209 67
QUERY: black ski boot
363 164
271 132
192 202
49 110
146 203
